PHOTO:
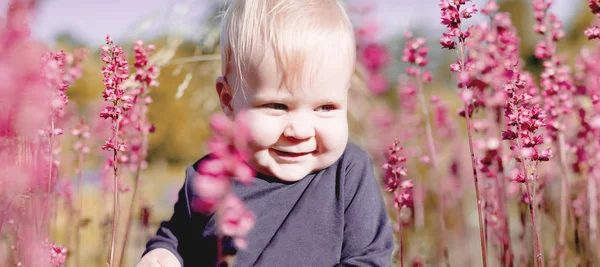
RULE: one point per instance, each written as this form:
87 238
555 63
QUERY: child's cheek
333 133
264 130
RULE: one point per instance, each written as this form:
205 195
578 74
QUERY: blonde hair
293 29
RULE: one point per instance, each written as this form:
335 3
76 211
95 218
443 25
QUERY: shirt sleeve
368 238
172 234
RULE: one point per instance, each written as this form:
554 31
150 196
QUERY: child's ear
225 95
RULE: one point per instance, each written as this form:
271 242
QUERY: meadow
485 138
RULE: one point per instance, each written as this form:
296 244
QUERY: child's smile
289 157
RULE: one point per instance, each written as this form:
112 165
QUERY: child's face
296 132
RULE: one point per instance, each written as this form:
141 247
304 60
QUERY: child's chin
290 174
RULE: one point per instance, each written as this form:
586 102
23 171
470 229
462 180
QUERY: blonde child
288 63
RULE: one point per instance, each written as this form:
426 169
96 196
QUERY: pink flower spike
447 42
545 155
212 167
490 7
122 147
219 123
204 204
592 32
466 95
218 146
210 187
375 56
407 184
378 83
401 170
520 178
468 12
455 67
427 76
233 217
109 145
243 173
58 255
526 152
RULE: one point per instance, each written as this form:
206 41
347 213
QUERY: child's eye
277 106
326 108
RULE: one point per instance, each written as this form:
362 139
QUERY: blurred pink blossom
378 83
227 163
234 220
374 56
58 255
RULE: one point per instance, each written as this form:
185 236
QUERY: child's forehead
317 68
337 94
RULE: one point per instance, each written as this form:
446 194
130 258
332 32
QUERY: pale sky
91 20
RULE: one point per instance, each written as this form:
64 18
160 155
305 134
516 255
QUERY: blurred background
187 33
193 27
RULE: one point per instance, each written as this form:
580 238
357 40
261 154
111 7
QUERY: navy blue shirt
333 217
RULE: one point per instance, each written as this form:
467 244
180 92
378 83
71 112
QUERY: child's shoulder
353 170
355 153
354 157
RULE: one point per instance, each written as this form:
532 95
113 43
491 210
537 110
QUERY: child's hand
158 258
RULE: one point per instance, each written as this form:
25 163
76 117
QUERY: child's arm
173 235
368 238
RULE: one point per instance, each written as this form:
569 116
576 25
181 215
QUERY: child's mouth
289 154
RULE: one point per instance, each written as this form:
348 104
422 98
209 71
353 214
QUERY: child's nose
299 128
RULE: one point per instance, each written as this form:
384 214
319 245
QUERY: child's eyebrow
272 97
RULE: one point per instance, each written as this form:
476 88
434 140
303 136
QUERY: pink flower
449 15
367 30
455 67
374 57
378 83
110 145
58 255
519 178
468 12
407 184
442 119
243 173
234 220
490 7
541 50
211 187
220 124
392 168
415 52
594 6
228 163
524 119
447 41
593 32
